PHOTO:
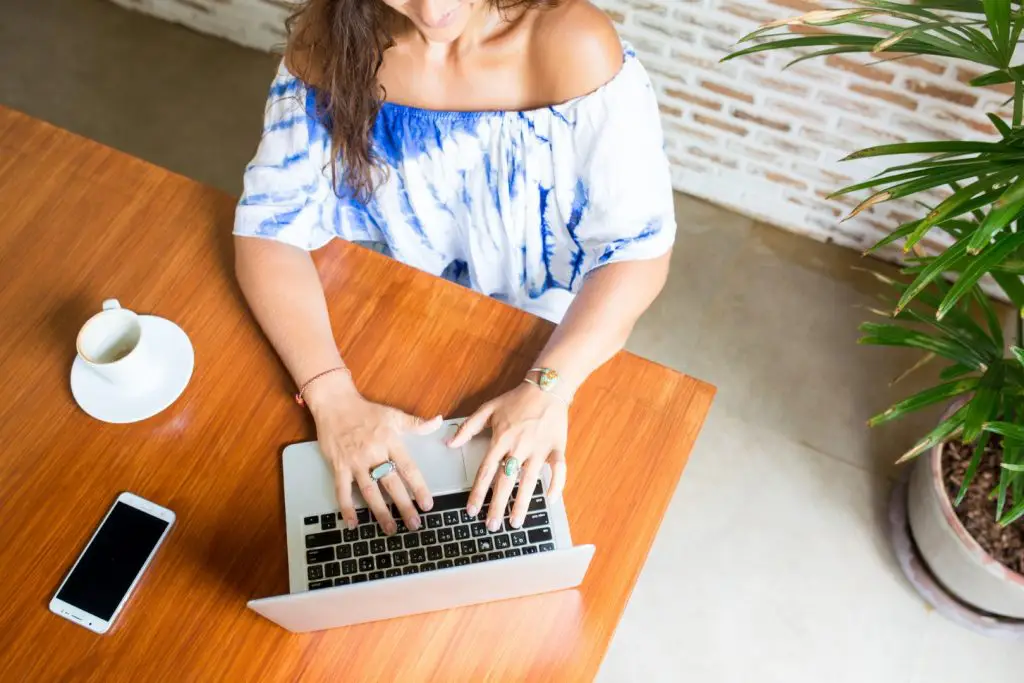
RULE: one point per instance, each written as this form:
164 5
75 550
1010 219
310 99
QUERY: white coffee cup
113 344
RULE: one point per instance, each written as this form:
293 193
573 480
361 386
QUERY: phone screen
114 558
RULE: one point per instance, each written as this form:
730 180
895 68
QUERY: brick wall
743 134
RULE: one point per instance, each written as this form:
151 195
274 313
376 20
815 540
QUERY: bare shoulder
574 50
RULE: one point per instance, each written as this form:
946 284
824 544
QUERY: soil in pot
977 512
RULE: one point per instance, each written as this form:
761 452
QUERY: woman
513 146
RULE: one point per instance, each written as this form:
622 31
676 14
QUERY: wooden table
80 222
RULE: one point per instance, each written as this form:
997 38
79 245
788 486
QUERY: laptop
339 577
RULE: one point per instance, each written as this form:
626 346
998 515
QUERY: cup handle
111 304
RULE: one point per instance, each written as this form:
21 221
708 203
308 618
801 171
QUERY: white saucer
102 400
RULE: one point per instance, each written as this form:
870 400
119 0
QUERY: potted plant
966 496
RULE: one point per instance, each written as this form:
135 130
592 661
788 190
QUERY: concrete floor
772 563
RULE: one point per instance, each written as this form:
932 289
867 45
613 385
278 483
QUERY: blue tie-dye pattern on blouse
519 205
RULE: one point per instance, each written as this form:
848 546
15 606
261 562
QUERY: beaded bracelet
298 395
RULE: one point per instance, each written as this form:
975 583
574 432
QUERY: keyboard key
394 571
366 564
379 531
445 564
451 501
319 555
315 572
538 490
332 570
376 575
462 532
363 515
545 547
367 531
434 521
451 517
434 552
428 567
502 542
310 520
529 550
328 522
344 552
540 535
343 581
411 540
349 567
314 585
478 529
410 570
341 519
350 535
445 536
359 578
537 503
451 550
383 562
361 548
477 559
461 561
377 546
418 555
323 538
467 547
465 518
535 519
485 545
394 543
518 539
400 558
513 552
400 527
495 556
428 537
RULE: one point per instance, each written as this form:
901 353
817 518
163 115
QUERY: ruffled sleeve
622 201
284 185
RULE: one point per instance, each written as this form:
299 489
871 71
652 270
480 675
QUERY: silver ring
382 470
511 467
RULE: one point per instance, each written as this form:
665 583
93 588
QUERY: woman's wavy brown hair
338 47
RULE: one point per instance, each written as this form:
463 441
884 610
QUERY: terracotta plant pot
953 556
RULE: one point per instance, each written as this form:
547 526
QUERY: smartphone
105 574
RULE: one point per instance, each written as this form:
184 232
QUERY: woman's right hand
357 435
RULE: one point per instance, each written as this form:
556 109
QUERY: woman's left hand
526 424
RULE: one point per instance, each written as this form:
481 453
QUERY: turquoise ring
511 467
382 470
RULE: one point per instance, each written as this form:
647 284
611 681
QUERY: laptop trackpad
443 467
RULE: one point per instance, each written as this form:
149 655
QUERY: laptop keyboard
448 537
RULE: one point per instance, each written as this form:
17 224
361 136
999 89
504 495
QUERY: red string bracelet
298 395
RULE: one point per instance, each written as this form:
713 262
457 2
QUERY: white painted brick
713 154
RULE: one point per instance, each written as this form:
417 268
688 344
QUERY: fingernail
390 528
415 525
428 506
472 510
517 522
495 525
351 525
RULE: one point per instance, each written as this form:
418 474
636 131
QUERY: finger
485 474
343 489
559 471
473 425
503 484
416 425
396 488
372 495
527 482
413 478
